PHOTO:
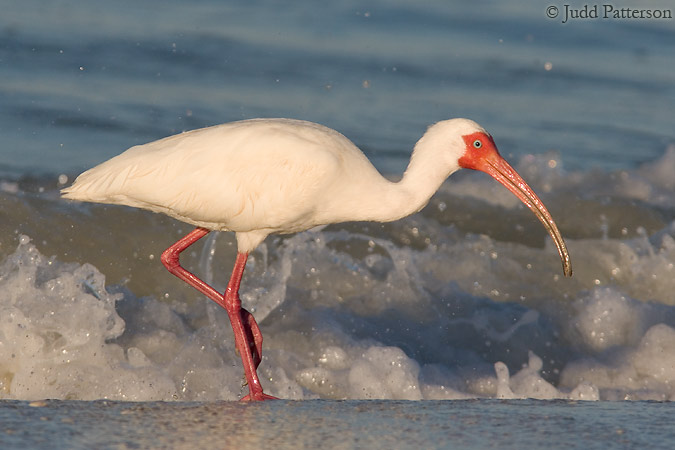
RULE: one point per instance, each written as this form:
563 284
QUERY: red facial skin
474 157
481 154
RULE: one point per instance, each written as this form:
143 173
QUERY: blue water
463 300
81 82
465 424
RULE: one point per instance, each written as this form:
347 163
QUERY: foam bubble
384 373
606 318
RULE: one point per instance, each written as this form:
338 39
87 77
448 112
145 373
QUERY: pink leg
255 338
247 335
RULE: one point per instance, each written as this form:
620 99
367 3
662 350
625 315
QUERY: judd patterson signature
606 11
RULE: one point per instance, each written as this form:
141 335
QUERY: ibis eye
477 143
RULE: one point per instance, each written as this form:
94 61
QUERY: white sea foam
61 336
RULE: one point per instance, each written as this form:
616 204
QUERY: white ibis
262 176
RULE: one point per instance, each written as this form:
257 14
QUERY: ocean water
465 300
378 424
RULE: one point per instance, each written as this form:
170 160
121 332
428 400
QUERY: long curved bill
502 171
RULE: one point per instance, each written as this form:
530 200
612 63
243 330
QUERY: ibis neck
422 178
